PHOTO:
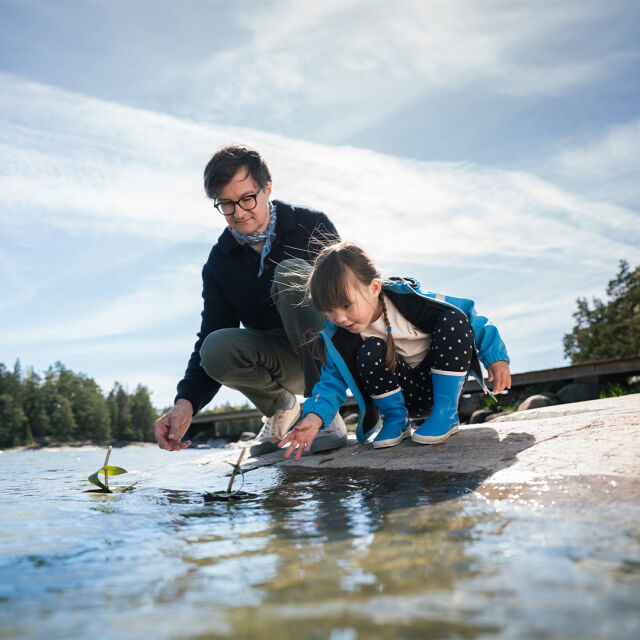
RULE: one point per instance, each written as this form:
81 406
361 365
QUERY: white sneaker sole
392 442
433 439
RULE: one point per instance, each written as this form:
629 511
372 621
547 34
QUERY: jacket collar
286 221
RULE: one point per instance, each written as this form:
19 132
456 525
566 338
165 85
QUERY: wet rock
480 416
537 401
579 392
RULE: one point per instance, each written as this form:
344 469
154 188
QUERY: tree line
63 406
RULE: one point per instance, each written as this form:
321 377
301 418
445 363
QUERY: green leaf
93 479
112 471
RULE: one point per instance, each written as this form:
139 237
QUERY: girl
402 352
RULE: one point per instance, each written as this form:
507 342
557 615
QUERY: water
318 554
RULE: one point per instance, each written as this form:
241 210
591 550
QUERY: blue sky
491 149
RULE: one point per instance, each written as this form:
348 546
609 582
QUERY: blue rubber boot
443 421
395 419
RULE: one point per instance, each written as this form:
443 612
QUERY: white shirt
411 343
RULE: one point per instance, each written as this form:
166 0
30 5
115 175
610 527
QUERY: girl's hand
302 435
500 375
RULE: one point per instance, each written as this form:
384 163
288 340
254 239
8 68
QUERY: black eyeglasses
248 202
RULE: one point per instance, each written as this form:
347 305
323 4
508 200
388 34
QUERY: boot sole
416 437
392 442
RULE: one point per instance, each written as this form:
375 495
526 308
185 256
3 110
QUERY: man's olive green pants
263 365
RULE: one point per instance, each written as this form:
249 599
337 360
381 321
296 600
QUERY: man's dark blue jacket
233 293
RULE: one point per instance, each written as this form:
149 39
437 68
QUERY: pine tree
143 415
120 408
14 426
609 329
33 401
62 423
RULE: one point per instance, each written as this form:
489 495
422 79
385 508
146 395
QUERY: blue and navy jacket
421 309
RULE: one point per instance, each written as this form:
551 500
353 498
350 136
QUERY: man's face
248 222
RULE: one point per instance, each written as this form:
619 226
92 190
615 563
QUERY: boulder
579 392
480 416
494 416
537 401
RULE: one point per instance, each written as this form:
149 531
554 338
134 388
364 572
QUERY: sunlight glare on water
317 554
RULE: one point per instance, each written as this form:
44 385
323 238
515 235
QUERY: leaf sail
109 470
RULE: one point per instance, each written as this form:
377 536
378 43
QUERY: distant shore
76 444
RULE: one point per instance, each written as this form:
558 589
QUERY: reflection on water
317 554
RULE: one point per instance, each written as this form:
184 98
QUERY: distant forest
63 406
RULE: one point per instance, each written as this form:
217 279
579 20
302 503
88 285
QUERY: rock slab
597 437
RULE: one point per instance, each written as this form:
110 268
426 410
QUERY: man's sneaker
332 437
274 429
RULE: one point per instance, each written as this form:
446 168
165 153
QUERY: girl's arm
490 346
329 393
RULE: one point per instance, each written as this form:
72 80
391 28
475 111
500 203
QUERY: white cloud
328 70
606 167
110 172
617 149
159 299
91 167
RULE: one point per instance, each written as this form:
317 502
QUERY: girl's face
362 309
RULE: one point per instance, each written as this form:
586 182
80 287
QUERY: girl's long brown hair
327 286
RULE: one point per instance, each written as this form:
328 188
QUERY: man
255 276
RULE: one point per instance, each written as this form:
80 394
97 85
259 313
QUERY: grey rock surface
598 437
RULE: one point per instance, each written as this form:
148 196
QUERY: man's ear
267 189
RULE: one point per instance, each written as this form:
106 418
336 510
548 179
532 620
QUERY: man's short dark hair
226 162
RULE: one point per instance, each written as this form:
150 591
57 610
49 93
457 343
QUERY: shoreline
79 444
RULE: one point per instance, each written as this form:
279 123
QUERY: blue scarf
266 237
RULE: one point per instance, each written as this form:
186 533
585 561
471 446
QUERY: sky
489 149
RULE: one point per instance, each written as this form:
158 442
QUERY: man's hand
302 435
500 375
173 425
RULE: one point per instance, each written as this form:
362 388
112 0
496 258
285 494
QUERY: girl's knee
454 319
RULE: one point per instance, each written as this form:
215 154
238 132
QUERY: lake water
317 554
